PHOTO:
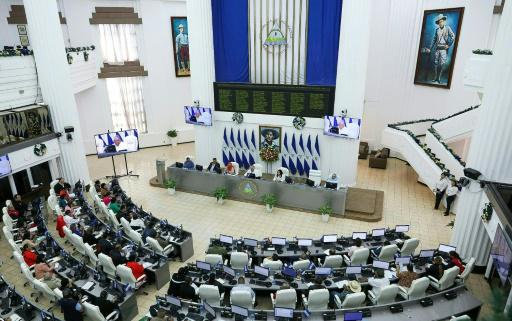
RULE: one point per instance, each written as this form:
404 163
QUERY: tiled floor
405 202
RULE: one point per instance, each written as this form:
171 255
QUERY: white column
489 152
54 78
202 69
351 78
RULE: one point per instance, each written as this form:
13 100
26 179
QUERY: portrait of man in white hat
438 46
181 46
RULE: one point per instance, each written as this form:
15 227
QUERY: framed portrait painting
270 136
440 34
181 55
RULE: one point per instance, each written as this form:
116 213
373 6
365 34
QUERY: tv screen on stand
344 127
5 165
198 115
501 254
117 143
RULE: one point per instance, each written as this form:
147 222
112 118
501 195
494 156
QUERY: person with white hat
182 49
443 39
349 288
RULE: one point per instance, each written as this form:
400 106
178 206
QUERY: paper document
390 275
87 286
341 284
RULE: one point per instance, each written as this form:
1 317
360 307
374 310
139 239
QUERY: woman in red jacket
60 225
137 269
455 260
29 255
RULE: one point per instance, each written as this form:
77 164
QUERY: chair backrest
236 167
4 211
333 261
210 294
78 241
286 298
68 233
409 247
126 275
155 245
448 278
318 299
18 257
52 201
258 170
387 294
8 202
92 312
8 235
126 225
273 265
107 264
14 246
26 272
213 259
468 269
418 288
353 300
135 237
387 253
93 258
316 176
239 260
113 219
58 293
53 183
301 265
42 287
8 221
241 298
52 192
464 317
360 257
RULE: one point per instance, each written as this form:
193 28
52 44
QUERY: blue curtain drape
324 19
230 40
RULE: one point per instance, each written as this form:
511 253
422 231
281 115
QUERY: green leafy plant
325 210
487 212
497 303
220 193
169 183
269 199
173 133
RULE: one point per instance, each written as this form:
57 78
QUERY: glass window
41 173
126 103
21 181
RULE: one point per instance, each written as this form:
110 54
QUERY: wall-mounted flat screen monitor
402 228
501 254
359 235
345 127
278 241
198 115
5 165
331 238
304 242
446 248
117 143
226 239
378 232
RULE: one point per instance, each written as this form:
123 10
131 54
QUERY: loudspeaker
472 173
199 168
463 181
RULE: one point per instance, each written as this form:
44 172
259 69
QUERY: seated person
161 315
405 278
358 245
273 258
214 166
379 249
378 281
250 172
187 291
104 190
45 272
349 288
71 307
455 260
25 236
13 213
104 244
212 280
59 186
136 221
230 169
107 198
18 204
149 231
241 287
436 269
115 206
317 285
76 229
69 218
105 305
177 280
137 268
97 186
123 213
89 237
29 255
279 177
117 255
188 164
333 179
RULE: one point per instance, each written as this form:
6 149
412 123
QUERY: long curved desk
296 196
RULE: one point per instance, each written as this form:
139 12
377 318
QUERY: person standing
71 308
451 193
440 189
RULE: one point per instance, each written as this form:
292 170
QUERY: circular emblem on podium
248 188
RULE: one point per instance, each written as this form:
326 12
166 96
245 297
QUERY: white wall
391 95
164 94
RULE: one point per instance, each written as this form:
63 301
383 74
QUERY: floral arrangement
299 122
78 50
269 154
482 52
238 118
16 51
487 212
456 114
439 138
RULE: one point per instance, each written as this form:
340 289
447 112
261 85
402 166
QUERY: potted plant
173 135
171 186
270 200
326 211
220 193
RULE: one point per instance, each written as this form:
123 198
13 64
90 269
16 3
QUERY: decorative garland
487 212
439 138
269 154
40 149
299 122
14 52
238 118
456 114
487 52
78 50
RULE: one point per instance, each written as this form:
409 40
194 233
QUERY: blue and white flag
245 163
301 144
291 166
246 141
317 146
306 167
283 162
251 159
237 158
225 158
285 141
231 158
313 165
225 137
294 146
232 138
300 169
253 140
308 145
307 313
239 140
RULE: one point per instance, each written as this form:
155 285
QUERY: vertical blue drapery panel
230 40
324 19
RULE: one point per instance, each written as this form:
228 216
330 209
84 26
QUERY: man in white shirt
451 193
69 219
119 144
241 287
357 246
378 282
440 189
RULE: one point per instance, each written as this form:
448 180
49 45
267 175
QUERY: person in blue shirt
188 164
149 231
71 308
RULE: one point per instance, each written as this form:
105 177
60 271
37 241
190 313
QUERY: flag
231 158
291 166
225 159
335 122
225 137
232 138
306 167
308 145
253 140
317 146
285 141
237 158
300 169
313 165
239 140
283 162
245 163
245 139
293 144
301 144
307 313
246 269
251 159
